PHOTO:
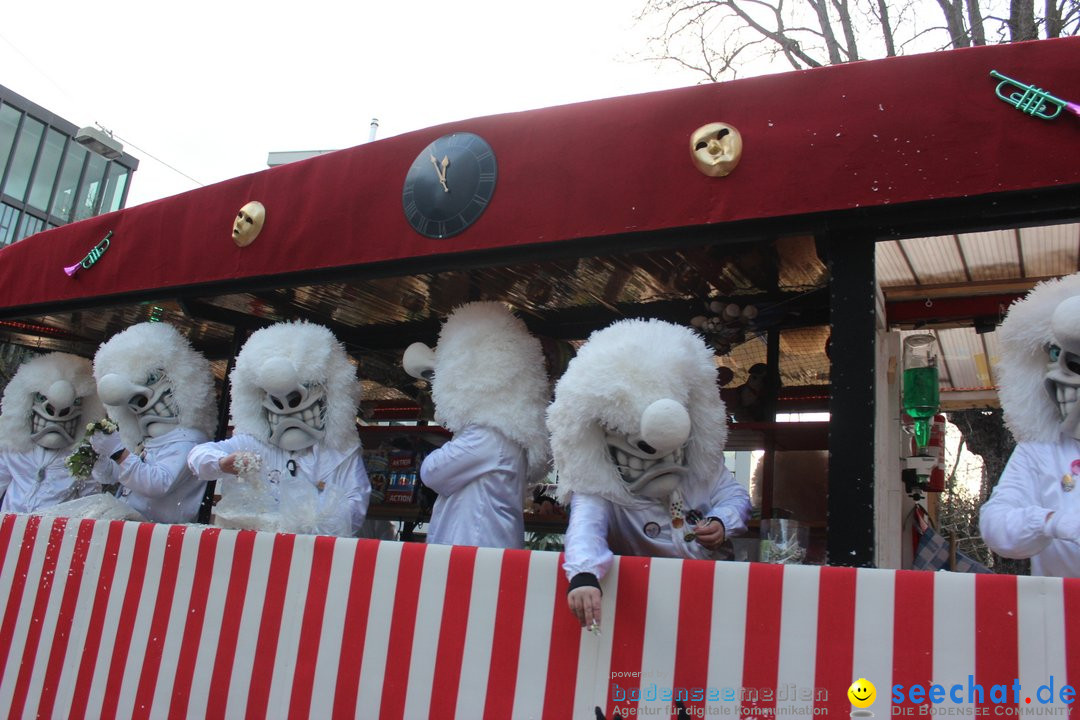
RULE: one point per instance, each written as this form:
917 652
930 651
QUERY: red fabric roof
850 136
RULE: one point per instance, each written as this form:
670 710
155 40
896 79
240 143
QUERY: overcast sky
211 87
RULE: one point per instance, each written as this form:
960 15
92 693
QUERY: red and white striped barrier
126 620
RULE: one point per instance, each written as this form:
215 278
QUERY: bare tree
725 38
1061 17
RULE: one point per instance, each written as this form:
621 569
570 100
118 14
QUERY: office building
47 178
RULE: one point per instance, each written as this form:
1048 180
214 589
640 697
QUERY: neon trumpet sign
1030 99
91 257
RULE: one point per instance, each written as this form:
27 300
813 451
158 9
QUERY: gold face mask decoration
248 223
716 149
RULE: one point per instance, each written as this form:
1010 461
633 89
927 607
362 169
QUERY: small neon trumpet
91 257
1030 99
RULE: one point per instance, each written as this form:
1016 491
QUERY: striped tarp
126 620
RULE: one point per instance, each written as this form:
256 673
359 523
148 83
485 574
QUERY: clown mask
652 462
1063 369
295 411
55 416
149 400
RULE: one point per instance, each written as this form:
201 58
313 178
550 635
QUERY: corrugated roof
996 266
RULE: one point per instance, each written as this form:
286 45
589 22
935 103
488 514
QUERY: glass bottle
920 394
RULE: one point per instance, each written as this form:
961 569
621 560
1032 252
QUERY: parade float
768 192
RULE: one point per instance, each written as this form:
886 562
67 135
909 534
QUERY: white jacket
1013 520
319 465
480 477
600 529
38 479
157 483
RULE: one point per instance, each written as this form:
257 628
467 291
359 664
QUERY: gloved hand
1064 524
106 444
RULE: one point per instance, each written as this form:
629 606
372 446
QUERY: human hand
106 444
585 602
1064 524
228 464
710 533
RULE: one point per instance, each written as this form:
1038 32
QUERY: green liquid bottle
921 399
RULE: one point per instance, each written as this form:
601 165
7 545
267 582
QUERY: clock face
449 185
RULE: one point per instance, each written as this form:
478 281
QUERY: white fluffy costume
490 388
1034 511
160 392
46 408
294 401
637 432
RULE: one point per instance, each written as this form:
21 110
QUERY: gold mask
248 223
716 149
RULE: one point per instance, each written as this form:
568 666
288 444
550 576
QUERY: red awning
860 136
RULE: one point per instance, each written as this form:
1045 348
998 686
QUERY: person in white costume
46 408
1034 511
637 433
490 388
294 456
160 393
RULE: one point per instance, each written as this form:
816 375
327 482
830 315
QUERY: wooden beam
1015 286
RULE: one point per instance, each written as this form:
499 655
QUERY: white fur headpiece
36 376
1031 414
144 349
618 374
489 370
316 358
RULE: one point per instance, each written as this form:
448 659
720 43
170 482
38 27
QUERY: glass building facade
46 178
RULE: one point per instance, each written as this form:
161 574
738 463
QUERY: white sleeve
460 461
730 502
156 477
203 458
587 549
1012 520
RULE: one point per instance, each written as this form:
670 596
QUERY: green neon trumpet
91 257
1030 99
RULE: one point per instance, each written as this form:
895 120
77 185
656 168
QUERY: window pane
64 202
45 175
115 182
25 150
9 123
8 217
30 225
90 194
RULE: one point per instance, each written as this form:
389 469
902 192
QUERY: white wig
144 349
619 373
489 370
37 375
1031 413
316 357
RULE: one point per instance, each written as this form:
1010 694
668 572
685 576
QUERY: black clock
449 185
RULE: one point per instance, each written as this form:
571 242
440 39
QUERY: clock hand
441 171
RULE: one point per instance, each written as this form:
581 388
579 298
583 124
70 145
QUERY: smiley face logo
862 693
